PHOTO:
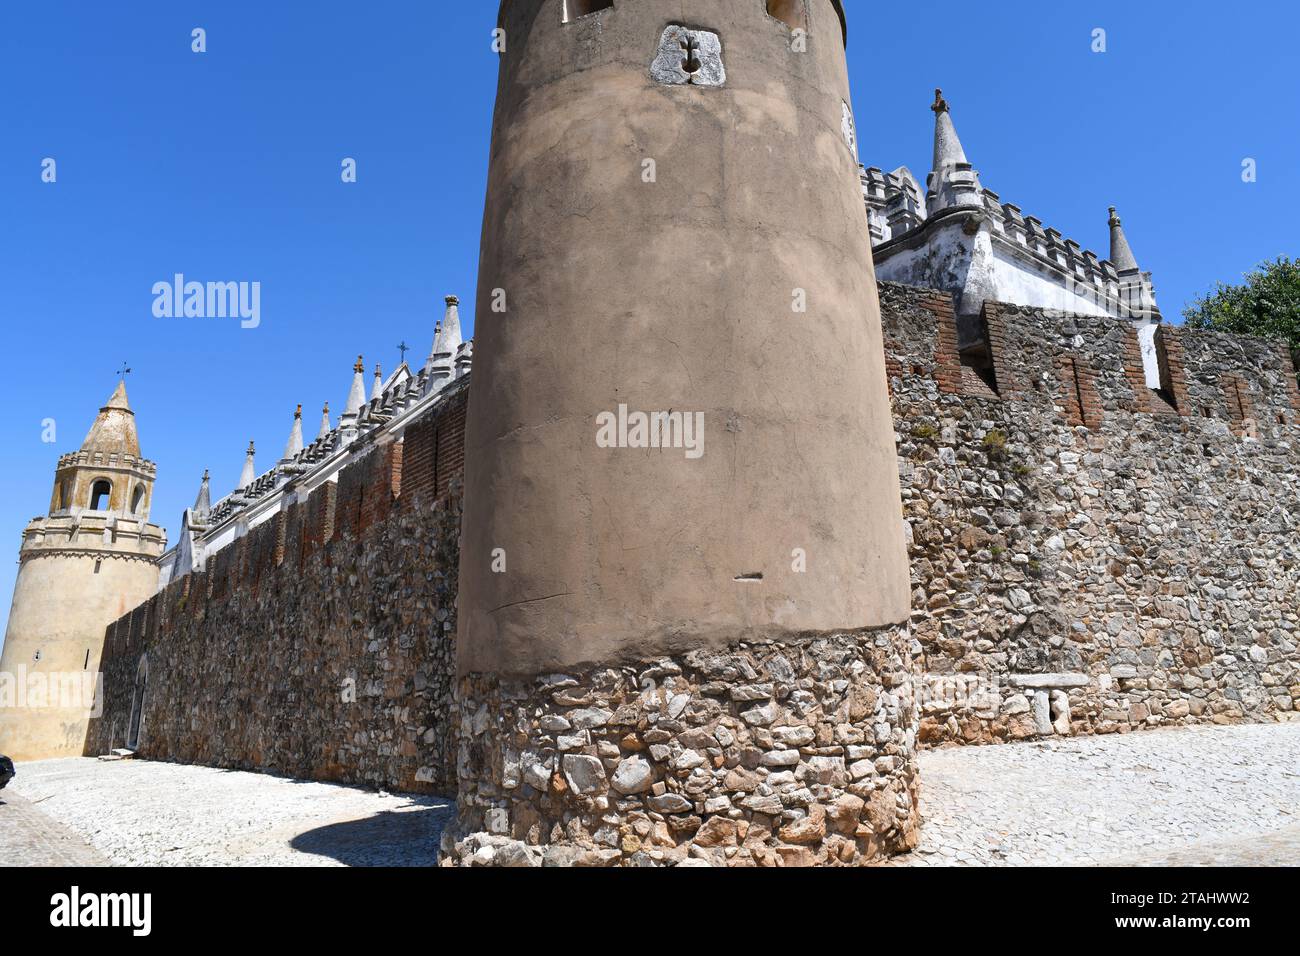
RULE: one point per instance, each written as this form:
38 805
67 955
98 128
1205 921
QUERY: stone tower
91 560
679 445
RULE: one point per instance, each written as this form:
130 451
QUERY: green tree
1268 304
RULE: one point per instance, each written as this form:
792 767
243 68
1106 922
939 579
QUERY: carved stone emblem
689 57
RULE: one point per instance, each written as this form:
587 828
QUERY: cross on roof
403 348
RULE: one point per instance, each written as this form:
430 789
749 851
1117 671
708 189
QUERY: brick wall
1079 391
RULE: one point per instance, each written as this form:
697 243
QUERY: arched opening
137 705
575 9
792 13
137 499
100 494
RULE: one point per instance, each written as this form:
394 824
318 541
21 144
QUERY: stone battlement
110 460
105 535
1089 554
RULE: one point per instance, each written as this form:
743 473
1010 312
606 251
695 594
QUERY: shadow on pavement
402 837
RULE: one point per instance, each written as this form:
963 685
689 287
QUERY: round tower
92 559
682 502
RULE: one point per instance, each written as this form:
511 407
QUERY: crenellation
1121 527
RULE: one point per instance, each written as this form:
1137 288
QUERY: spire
1137 295
357 396
451 337
249 474
952 181
1121 256
203 503
114 429
447 340
377 389
947 147
294 445
325 427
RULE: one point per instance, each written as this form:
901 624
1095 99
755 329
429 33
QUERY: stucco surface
676 294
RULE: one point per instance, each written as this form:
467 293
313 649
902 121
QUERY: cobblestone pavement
1186 797
1183 797
139 813
30 838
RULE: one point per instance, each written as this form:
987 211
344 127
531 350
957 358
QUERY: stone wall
768 754
1090 555
320 644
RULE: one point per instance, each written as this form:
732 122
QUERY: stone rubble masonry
1077 567
320 644
773 754
1098 565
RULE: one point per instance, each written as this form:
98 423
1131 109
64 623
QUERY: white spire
447 341
377 390
952 181
948 150
451 337
294 445
1137 295
249 474
203 503
1121 256
325 427
357 396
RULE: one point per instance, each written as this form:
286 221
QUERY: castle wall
320 645
1086 557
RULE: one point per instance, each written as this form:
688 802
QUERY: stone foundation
763 755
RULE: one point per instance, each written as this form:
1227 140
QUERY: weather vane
124 371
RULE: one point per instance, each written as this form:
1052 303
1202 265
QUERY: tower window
576 9
137 499
100 493
790 12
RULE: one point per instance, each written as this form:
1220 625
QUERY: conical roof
1121 255
114 430
203 503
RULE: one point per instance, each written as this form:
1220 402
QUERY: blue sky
226 166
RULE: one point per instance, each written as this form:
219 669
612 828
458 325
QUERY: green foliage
925 431
995 444
1267 305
